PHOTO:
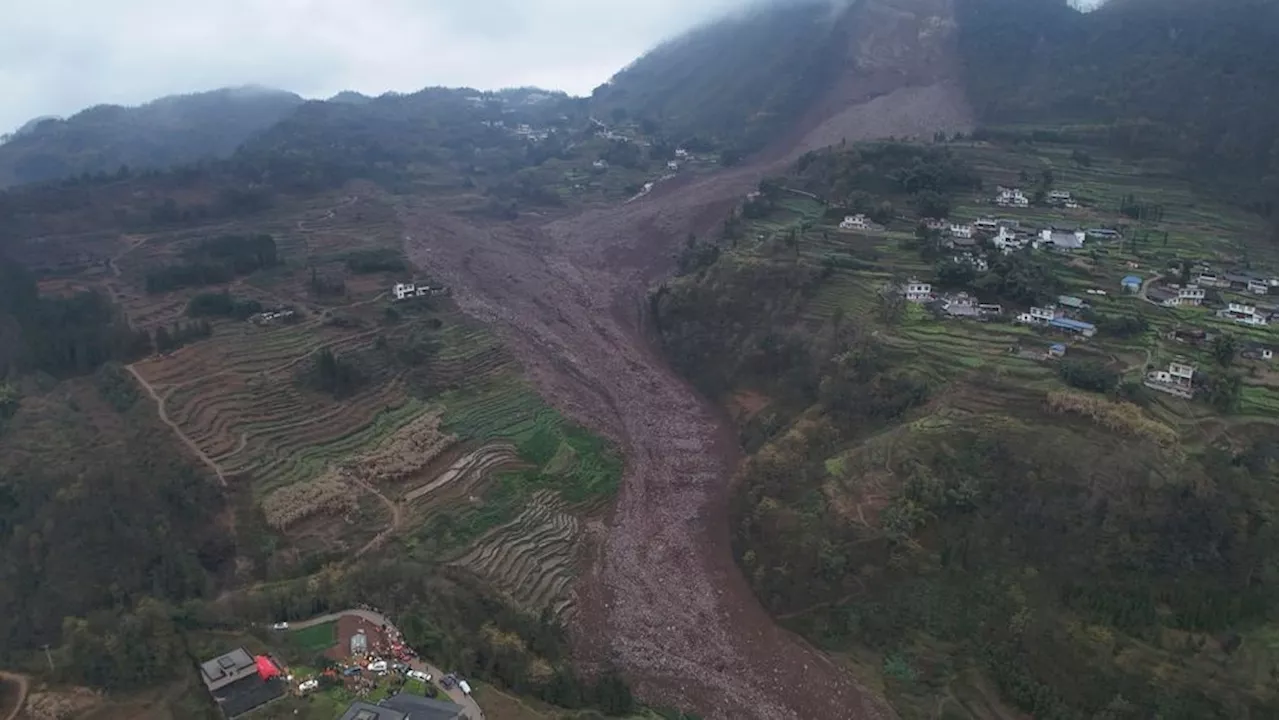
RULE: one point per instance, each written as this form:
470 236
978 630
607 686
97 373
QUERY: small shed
1131 283
1057 350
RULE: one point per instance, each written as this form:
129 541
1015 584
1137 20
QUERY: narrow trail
164 418
392 526
24 686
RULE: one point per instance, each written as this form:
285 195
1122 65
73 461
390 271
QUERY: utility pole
48 656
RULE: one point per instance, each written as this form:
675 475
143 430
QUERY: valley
818 365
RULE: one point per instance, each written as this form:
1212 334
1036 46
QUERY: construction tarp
266 668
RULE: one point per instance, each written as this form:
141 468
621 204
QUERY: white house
673 165
1258 287
978 262
1006 241
854 222
1190 295
1176 381
961 231
1243 314
681 153
600 164
400 291
1059 197
1043 314
986 225
1011 197
917 291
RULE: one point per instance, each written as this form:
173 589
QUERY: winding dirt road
22 684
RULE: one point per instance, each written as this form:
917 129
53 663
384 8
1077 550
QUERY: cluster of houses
406 291
1192 294
1007 235
1015 198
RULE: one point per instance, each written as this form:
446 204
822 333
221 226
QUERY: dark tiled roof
244 695
417 707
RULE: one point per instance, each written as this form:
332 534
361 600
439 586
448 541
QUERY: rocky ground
662 598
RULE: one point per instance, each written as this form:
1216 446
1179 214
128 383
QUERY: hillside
170 131
813 72
1192 79
979 514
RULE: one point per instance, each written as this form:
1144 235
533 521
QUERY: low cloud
60 56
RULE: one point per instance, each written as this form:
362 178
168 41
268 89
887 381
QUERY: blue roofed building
1078 327
1131 283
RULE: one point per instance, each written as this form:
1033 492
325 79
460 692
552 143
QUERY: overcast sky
60 56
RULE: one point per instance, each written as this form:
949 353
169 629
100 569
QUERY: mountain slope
1195 79
169 131
816 71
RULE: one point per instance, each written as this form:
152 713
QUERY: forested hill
737 81
1195 79
169 131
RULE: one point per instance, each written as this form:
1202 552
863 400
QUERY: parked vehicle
464 687
419 675
308 685
280 626
351 671
379 666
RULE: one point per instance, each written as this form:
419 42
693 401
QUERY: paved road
471 709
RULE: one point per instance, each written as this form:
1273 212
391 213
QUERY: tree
1081 158
1223 391
891 304
1224 349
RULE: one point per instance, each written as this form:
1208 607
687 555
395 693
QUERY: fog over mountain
60 56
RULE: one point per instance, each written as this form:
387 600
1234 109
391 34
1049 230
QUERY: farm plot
531 558
466 471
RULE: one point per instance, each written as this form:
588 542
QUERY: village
363 669
1207 299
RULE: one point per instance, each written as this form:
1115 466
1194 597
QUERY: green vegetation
736 83
925 497
378 260
215 261
169 131
222 305
331 374
1042 61
60 336
315 639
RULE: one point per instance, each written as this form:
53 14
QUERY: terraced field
531 558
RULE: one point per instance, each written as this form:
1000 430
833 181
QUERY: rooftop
1070 324
361 710
246 694
228 668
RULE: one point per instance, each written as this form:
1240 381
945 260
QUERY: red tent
266 668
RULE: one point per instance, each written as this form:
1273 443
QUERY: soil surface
662 598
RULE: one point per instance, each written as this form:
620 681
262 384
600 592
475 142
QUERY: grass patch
317 638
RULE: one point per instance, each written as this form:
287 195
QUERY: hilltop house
404 291
978 262
1131 283
681 154
1059 197
1177 380
961 231
1072 302
600 164
1176 295
1062 239
936 224
1244 314
855 222
916 291
1011 197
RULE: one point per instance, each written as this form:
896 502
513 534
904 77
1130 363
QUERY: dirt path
392 526
164 418
24 684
